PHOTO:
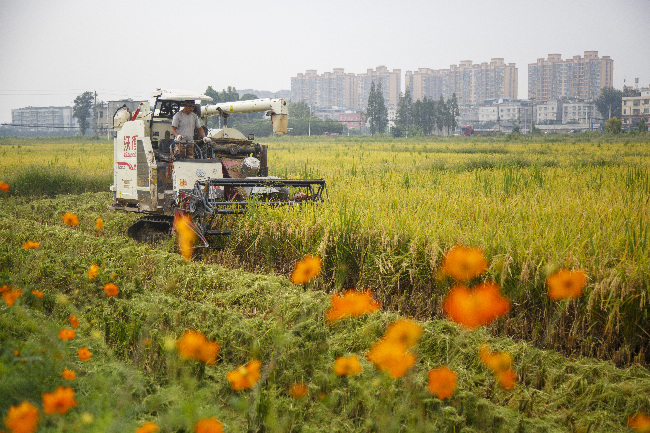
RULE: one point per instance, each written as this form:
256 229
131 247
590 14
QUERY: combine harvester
228 171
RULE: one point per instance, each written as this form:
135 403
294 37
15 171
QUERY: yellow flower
59 401
208 425
93 271
245 376
31 245
99 224
306 270
391 357
70 219
351 304
566 284
22 418
405 332
347 366
194 345
187 237
442 382
464 264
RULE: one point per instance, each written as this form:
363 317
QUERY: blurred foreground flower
185 234
351 304
639 422
566 284
246 376
31 245
11 295
38 294
66 334
404 331
442 382
500 363
84 354
347 366
306 270
148 427
68 374
391 357
110 289
208 425
298 390
464 264
4 186
194 345
70 219
59 401
475 307
93 271
22 418
99 224
73 321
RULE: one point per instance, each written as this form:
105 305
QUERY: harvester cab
225 174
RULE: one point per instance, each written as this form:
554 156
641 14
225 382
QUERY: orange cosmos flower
66 334
306 270
73 321
351 304
245 376
148 427
31 245
38 294
59 401
69 374
5 287
110 289
495 361
298 390
639 422
22 418
464 264
442 382
186 235
99 224
347 366
507 379
11 295
84 354
194 345
93 271
70 219
566 284
391 357
4 186
208 425
405 332
475 307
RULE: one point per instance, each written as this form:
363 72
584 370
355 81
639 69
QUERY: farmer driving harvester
183 124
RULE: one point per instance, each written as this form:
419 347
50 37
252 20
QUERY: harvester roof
179 95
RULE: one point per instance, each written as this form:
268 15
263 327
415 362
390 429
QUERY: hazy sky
52 51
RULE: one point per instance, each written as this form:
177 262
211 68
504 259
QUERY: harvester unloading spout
150 178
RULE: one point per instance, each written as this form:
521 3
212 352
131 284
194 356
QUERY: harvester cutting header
218 175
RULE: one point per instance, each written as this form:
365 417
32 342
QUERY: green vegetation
395 206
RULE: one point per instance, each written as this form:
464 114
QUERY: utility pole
95 116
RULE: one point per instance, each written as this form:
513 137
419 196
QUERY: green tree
82 110
613 125
441 114
609 102
453 113
377 112
643 127
298 110
404 108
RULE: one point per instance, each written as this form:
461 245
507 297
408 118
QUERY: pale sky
53 50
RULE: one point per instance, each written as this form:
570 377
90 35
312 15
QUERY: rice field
394 209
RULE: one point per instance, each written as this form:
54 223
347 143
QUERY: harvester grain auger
228 172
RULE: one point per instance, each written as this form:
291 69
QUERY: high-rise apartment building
472 83
338 89
578 77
